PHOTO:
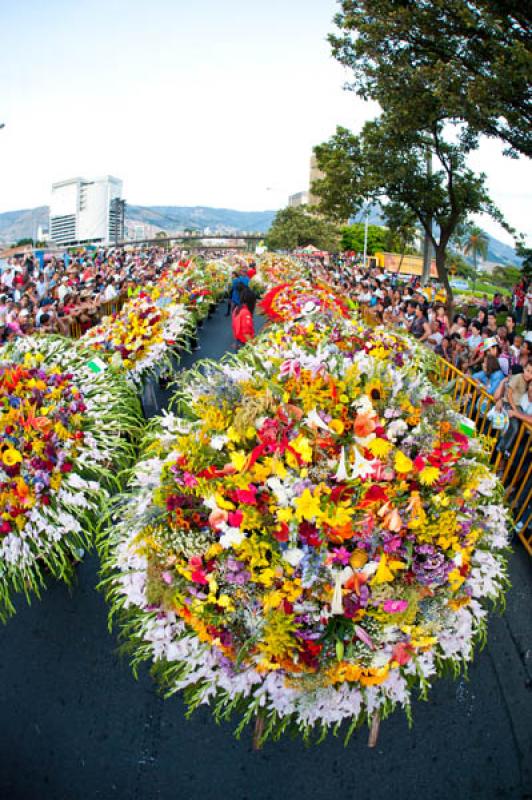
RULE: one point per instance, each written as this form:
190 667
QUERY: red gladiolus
402 653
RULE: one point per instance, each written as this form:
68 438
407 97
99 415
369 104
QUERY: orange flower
217 517
363 425
340 533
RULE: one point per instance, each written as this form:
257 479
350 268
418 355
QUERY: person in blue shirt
241 279
490 376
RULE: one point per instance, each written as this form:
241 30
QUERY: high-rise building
298 199
315 174
84 211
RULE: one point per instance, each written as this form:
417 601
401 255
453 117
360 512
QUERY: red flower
402 653
247 496
419 463
235 519
282 533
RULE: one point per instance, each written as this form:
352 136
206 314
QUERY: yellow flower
380 447
232 435
403 464
308 506
340 516
429 475
225 602
238 459
10 457
337 426
222 503
284 514
272 600
384 572
455 579
266 576
302 446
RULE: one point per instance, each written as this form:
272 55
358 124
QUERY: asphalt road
76 725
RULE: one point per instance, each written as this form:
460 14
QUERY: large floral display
292 299
312 536
154 326
63 430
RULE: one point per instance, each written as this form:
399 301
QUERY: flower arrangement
141 336
157 323
274 270
289 300
312 537
62 435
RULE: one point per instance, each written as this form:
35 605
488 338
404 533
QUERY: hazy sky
191 103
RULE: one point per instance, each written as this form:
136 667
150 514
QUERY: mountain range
15 225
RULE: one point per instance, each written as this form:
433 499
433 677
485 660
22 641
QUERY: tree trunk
443 275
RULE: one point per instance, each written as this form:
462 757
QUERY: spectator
491 375
243 329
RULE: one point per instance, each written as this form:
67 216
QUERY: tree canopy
387 164
297 227
456 60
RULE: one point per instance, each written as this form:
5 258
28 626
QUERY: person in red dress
243 328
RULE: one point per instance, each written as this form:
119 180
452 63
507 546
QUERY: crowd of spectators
39 295
491 341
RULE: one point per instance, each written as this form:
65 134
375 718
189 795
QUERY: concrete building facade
84 211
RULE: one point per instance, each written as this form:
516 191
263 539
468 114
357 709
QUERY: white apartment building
87 211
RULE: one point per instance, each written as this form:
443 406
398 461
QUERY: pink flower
247 496
235 519
395 606
189 479
167 577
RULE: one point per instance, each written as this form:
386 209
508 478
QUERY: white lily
361 466
313 419
340 577
341 472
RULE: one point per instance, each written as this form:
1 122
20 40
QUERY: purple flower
341 556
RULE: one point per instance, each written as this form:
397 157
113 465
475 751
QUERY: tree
387 165
526 254
506 277
476 245
22 242
353 238
454 60
402 230
296 227
459 266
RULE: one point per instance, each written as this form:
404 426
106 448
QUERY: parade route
76 725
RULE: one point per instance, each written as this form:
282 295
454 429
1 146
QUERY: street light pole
427 244
366 225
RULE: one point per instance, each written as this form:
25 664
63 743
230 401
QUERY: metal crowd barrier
106 309
476 402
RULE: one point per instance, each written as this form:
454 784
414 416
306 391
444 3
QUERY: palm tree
476 245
